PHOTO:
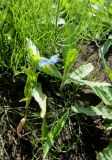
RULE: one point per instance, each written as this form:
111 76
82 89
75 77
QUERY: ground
82 137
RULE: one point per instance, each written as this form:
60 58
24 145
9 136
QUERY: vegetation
45 42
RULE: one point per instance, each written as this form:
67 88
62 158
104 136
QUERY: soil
82 137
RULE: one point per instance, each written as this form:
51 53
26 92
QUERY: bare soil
82 137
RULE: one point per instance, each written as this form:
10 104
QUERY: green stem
26 107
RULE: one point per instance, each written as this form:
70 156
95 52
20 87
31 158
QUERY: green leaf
24 99
70 39
69 61
51 70
33 51
28 88
94 84
82 71
53 134
106 154
31 81
40 98
105 47
101 10
31 74
72 79
44 129
102 52
106 113
108 126
65 3
105 93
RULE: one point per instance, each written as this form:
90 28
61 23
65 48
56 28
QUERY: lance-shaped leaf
102 52
31 81
33 52
81 72
51 70
106 113
69 61
40 98
53 134
105 93
44 129
69 40
76 80
47 66
32 47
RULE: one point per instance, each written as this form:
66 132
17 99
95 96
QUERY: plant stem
26 107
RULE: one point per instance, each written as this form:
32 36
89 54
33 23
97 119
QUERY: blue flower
53 60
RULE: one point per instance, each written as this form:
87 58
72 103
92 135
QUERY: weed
44 39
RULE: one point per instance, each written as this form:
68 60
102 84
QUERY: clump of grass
42 22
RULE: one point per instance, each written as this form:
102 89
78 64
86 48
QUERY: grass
36 20
63 28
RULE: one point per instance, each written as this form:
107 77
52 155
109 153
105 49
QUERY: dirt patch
82 137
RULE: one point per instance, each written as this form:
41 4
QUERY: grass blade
53 134
44 129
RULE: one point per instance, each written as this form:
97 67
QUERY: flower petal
54 59
43 62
